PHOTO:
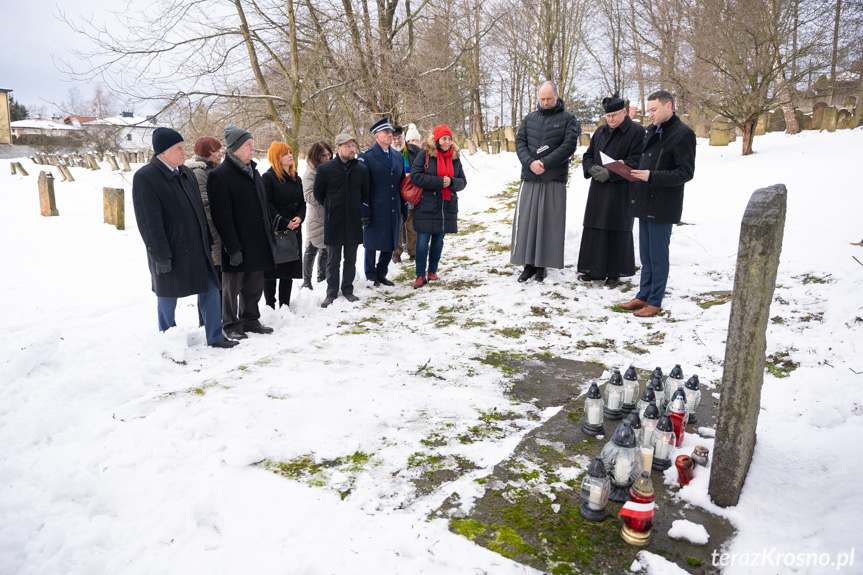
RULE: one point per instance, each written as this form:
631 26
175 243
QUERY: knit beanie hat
164 138
412 133
441 131
235 137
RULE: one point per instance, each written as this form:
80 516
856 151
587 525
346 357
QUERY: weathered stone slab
483 144
471 146
761 233
510 146
47 202
817 113
584 139
721 132
844 119
124 157
829 117
495 147
91 162
114 207
509 133
66 173
112 161
19 168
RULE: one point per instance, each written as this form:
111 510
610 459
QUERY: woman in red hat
437 169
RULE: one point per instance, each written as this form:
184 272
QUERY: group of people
209 225
658 161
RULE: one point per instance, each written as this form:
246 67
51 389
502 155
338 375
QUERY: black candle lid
692 382
593 391
615 378
630 374
623 435
597 467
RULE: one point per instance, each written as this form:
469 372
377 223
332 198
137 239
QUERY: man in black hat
170 217
607 251
238 204
382 215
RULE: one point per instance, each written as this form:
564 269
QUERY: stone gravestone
721 132
817 111
761 124
67 173
483 144
471 146
584 139
495 147
114 207
828 119
843 119
807 122
686 119
510 146
112 161
12 167
124 157
509 133
21 169
91 162
800 117
761 232
47 203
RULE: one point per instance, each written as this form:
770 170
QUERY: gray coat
314 211
202 167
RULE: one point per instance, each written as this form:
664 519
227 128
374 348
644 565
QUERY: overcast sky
32 35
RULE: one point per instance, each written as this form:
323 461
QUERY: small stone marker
471 146
112 161
761 232
124 157
828 119
21 169
721 132
843 119
47 203
584 139
67 173
483 144
495 147
114 207
91 162
761 124
12 167
817 113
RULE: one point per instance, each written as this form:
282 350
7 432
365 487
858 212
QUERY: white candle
594 413
647 458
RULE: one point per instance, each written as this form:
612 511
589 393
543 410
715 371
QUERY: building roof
77 120
41 124
124 121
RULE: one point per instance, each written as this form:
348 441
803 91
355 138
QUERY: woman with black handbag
285 197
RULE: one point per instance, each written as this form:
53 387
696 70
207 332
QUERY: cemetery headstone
721 131
844 119
112 161
114 207
817 112
829 116
47 202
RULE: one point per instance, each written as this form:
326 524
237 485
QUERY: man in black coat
545 143
170 217
238 204
606 242
667 163
342 187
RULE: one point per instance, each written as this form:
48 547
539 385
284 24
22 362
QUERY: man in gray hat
342 187
238 204
170 217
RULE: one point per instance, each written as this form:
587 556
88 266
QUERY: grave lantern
651 418
638 512
635 424
663 443
655 383
678 414
622 459
674 380
593 412
693 397
630 390
646 397
594 492
614 396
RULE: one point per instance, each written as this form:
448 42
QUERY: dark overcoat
433 214
342 189
608 202
238 204
385 202
556 128
286 199
170 217
670 157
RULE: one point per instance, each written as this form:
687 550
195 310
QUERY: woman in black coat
285 198
437 211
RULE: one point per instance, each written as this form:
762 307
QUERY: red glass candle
638 512
679 415
685 466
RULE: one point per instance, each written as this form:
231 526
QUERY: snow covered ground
129 451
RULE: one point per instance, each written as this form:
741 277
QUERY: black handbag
287 244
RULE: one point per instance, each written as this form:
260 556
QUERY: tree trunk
791 126
748 135
835 57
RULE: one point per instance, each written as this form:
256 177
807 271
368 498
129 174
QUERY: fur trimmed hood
430 147
196 162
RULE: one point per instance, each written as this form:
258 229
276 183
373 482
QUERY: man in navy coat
382 214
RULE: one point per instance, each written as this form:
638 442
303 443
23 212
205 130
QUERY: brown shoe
633 304
648 311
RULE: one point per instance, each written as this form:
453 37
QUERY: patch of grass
811 279
780 364
538 310
434 439
777 319
511 332
461 284
420 459
496 247
554 295
710 299
694 561
472 322
468 227
503 360
632 348
617 309
202 389
819 317
656 338
607 344
540 326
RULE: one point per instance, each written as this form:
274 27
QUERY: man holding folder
607 251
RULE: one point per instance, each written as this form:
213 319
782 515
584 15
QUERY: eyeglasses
614 115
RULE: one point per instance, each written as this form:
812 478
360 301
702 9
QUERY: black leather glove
601 174
367 221
236 259
163 267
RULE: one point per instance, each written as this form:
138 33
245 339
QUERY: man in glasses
607 251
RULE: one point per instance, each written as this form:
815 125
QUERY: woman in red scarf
437 169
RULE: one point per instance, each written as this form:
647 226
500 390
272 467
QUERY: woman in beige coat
318 153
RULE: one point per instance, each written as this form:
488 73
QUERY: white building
136 133
38 126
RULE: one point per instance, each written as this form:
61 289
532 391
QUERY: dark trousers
429 246
208 306
379 269
241 292
309 263
334 261
653 240
407 236
285 285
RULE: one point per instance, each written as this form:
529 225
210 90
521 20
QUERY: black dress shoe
351 297
526 274
328 302
587 278
225 343
541 274
238 334
612 283
262 329
385 281
307 284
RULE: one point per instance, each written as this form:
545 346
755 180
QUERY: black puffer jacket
434 214
670 157
556 128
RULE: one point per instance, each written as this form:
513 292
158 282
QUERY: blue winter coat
434 214
385 202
